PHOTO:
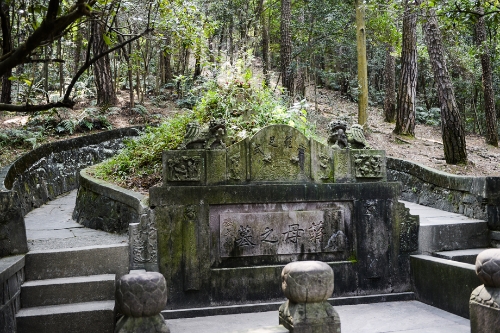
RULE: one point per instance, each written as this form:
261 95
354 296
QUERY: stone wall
11 278
433 188
475 197
105 206
43 174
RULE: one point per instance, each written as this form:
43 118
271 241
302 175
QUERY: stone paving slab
433 216
394 317
51 227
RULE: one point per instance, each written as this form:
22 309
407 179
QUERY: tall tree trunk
6 96
264 22
407 92
362 63
452 126
286 47
168 60
61 69
390 85
489 94
106 94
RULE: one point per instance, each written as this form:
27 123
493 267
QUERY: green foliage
142 156
428 117
20 138
245 107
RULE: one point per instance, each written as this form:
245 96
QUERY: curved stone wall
105 206
43 174
475 197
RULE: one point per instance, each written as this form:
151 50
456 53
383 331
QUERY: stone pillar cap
488 267
307 281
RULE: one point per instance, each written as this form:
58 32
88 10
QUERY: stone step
68 290
74 318
467 256
445 231
443 283
80 261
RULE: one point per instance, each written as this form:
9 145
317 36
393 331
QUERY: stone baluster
484 304
308 285
141 297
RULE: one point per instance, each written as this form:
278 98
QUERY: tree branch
88 63
47 29
37 61
35 108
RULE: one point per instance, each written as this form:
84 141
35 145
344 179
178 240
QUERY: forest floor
426 148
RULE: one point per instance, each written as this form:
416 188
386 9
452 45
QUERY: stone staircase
70 273
71 290
443 273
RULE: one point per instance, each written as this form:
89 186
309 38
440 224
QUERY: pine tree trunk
265 42
407 92
6 96
390 85
489 95
286 47
451 123
106 94
362 63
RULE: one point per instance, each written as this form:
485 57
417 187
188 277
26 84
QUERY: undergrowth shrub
245 107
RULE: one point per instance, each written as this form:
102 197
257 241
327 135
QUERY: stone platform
394 317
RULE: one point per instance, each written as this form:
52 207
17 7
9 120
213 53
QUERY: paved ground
394 317
51 227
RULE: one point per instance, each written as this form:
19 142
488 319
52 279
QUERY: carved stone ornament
308 285
184 168
488 267
340 137
144 242
368 166
141 297
212 137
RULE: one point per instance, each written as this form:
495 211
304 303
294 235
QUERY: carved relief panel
184 166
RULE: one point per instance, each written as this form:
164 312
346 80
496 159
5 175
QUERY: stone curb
475 185
130 198
9 173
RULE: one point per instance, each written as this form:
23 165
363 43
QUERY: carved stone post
484 304
308 285
141 297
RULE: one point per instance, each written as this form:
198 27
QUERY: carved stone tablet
270 233
280 153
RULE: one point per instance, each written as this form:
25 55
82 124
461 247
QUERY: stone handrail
44 173
475 197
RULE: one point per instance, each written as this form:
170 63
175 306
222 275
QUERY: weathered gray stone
307 285
307 281
153 324
485 310
488 267
309 317
450 286
141 294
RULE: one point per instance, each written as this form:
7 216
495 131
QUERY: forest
421 61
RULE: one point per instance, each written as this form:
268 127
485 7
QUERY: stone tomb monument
229 219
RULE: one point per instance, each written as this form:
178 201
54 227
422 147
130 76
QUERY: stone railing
32 180
105 206
475 197
43 174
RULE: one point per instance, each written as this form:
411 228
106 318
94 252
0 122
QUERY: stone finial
307 281
484 301
141 297
308 285
488 267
